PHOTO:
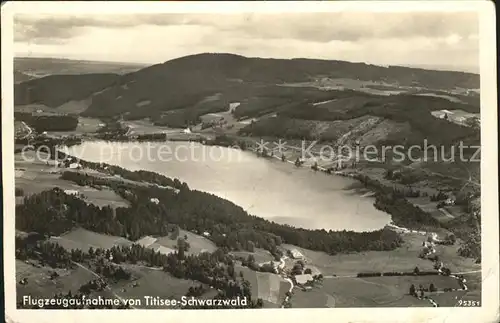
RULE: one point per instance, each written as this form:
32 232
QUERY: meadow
84 239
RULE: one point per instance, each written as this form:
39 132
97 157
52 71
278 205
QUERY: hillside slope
55 90
178 92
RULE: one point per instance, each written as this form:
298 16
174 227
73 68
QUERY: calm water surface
266 188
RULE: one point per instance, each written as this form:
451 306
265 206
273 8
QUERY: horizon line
437 68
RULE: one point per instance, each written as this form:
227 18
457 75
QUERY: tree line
212 269
54 212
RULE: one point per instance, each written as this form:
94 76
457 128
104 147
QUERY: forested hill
187 81
55 90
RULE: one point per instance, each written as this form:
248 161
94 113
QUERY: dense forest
55 90
54 212
410 109
210 269
392 201
43 123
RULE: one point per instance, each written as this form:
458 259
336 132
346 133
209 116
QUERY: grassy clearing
84 239
404 258
260 255
382 291
34 108
358 292
314 298
142 127
40 284
33 176
269 287
197 243
152 283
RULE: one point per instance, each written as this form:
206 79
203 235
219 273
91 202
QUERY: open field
269 287
381 291
225 123
84 239
404 258
197 243
33 176
150 282
314 298
142 127
40 285
73 107
260 255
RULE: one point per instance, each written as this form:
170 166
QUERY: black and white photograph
239 158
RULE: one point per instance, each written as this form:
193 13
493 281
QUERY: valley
174 233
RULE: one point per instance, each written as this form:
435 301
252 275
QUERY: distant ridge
180 85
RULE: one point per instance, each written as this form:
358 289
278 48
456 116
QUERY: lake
267 188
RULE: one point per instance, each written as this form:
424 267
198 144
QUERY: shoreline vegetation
389 199
160 206
230 225
403 213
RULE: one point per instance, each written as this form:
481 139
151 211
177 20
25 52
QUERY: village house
295 254
164 250
72 192
449 202
75 166
304 279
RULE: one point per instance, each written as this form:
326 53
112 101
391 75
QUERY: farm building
75 166
206 234
295 254
303 279
155 200
146 241
163 250
233 106
71 192
449 202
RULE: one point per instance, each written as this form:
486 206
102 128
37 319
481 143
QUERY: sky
440 40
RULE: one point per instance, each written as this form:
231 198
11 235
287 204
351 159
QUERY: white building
295 254
155 200
75 166
449 201
146 241
164 250
72 192
303 279
233 105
